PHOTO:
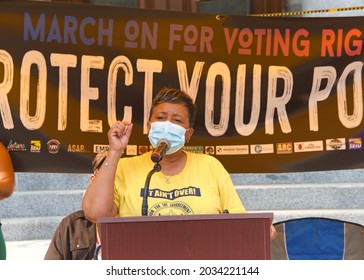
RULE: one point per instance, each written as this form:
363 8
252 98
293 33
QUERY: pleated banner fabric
274 94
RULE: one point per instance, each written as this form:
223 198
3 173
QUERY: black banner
274 94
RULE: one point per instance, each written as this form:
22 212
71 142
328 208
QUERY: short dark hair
175 96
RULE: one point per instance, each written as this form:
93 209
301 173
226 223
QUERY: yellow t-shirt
203 187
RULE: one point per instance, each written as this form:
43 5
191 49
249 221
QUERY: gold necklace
168 178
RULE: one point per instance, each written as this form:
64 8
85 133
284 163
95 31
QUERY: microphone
163 146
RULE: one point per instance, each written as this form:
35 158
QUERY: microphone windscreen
164 140
163 146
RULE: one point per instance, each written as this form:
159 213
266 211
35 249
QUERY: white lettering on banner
317 94
222 70
5 86
192 86
33 122
89 93
276 101
242 128
355 119
63 61
149 67
123 63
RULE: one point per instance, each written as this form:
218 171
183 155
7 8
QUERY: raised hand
119 135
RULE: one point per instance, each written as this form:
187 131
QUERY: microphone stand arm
156 168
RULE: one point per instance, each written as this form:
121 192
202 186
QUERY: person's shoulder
75 219
75 215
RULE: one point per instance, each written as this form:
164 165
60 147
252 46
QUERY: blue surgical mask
174 133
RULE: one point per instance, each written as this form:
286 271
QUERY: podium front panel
194 237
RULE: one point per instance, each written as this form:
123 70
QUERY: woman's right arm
7 177
98 200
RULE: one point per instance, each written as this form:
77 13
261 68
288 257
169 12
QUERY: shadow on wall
318 239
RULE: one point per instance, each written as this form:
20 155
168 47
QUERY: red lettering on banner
338 43
268 42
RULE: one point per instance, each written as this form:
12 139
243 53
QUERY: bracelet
107 168
107 165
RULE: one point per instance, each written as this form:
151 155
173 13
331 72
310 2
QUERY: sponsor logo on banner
210 150
14 146
232 150
355 143
131 150
262 149
98 148
194 149
53 146
35 146
143 149
308 146
335 144
284 148
77 148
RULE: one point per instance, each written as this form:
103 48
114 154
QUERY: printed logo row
53 146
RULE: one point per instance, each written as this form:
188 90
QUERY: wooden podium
188 237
